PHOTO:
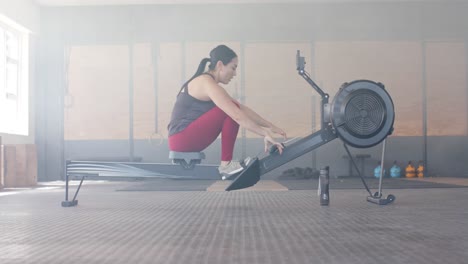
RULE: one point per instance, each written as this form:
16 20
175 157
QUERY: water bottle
324 180
377 171
395 170
410 170
420 169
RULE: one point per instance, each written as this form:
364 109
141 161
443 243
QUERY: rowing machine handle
274 148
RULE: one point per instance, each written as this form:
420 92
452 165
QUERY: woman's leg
204 130
228 138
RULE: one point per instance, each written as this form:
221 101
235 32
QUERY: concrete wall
65 26
23 12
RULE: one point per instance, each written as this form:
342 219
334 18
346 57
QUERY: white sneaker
233 167
247 161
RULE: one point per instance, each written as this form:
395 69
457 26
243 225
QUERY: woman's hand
269 140
277 130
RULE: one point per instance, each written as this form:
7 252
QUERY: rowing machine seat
187 160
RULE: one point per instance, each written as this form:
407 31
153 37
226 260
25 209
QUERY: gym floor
190 221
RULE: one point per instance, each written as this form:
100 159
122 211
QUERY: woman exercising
204 109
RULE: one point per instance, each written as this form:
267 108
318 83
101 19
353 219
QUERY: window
14 91
11 56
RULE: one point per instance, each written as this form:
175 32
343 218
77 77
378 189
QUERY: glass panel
169 68
2 67
12 80
395 64
12 45
11 108
275 90
143 92
98 88
446 89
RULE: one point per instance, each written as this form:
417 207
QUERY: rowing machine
361 115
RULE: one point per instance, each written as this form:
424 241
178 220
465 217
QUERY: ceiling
166 2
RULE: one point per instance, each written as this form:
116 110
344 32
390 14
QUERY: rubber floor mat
169 185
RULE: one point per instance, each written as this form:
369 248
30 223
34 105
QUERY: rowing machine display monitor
361 115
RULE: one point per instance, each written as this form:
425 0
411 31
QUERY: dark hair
221 53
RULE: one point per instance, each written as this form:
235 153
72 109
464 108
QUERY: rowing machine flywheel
362 113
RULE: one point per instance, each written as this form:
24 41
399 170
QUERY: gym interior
87 89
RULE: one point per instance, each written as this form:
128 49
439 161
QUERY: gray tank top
186 110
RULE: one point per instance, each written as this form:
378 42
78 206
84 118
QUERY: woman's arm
255 117
261 121
226 103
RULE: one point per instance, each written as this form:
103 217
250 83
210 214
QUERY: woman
204 109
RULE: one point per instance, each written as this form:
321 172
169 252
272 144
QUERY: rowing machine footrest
187 160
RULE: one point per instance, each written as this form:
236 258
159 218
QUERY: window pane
143 92
98 86
275 90
446 89
169 80
2 66
12 45
395 64
11 112
12 79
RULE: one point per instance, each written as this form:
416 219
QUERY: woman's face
228 71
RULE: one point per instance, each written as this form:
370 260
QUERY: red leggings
204 131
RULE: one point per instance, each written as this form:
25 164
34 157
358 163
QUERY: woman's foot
232 167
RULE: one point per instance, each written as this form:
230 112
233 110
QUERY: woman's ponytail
200 70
